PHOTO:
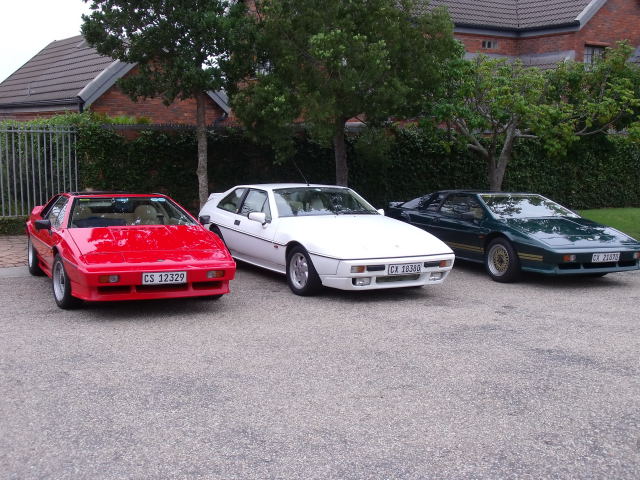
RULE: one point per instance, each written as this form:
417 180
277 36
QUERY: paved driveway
471 379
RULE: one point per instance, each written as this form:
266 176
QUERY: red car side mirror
43 224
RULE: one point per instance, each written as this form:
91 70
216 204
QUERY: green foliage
178 46
78 119
326 64
12 225
386 165
626 220
494 103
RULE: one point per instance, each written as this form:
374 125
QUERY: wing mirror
204 219
381 211
259 217
43 224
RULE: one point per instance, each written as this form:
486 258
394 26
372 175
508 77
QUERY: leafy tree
179 49
492 103
324 63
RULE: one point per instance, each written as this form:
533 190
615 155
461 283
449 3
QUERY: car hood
359 236
577 232
167 243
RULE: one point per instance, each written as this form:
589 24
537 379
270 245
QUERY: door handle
236 222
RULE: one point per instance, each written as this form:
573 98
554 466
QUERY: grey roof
67 72
55 75
519 14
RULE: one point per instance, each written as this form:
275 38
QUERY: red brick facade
616 20
114 103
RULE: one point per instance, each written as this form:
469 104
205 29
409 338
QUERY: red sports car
103 246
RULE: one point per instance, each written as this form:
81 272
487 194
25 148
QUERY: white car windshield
506 205
307 201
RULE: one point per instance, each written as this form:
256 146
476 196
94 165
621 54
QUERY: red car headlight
109 278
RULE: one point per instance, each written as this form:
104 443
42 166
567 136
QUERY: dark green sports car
512 232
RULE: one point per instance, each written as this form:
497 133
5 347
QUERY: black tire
216 230
32 259
302 277
501 261
62 286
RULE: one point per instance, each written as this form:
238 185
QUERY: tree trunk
340 154
201 138
498 163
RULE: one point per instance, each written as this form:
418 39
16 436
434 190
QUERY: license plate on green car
605 257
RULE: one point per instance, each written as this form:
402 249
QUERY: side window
231 202
56 214
47 208
431 203
256 201
459 205
455 205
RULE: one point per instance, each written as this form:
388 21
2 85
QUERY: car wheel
301 274
216 230
501 261
62 286
32 259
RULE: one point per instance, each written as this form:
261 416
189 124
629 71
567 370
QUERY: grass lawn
626 220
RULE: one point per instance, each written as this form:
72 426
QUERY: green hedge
395 164
12 225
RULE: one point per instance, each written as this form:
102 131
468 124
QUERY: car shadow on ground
387 294
548 281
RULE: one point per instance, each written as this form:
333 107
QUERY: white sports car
324 235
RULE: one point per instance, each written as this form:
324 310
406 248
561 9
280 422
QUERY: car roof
482 192
114 194
275 186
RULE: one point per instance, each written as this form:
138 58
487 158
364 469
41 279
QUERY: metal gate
36 162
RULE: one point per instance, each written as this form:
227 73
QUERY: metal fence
36 162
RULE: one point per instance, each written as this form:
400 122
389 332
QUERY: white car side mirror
381 211
259 217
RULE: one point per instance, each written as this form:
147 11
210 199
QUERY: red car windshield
91 212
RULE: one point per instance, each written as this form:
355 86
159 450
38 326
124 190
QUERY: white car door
250 240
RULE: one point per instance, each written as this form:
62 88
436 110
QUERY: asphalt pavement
470 379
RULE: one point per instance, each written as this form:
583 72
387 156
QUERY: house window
489 44
593 54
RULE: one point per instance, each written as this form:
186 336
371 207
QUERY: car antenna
300 171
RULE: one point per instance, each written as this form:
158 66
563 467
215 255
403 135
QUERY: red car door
45 239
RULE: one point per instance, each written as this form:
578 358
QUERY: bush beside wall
395 164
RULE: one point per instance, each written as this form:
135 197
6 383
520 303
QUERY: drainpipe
80 105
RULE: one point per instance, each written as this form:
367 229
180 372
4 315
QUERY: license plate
164 278
605 257
405 268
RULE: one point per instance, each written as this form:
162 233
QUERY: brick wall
114 102
616 20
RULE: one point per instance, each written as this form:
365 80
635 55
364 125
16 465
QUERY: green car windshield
506 205
307 201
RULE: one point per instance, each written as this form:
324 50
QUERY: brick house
70 76
544 32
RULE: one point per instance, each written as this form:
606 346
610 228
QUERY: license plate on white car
164 278
605 257
405 268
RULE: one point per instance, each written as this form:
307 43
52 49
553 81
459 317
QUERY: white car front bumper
376 273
